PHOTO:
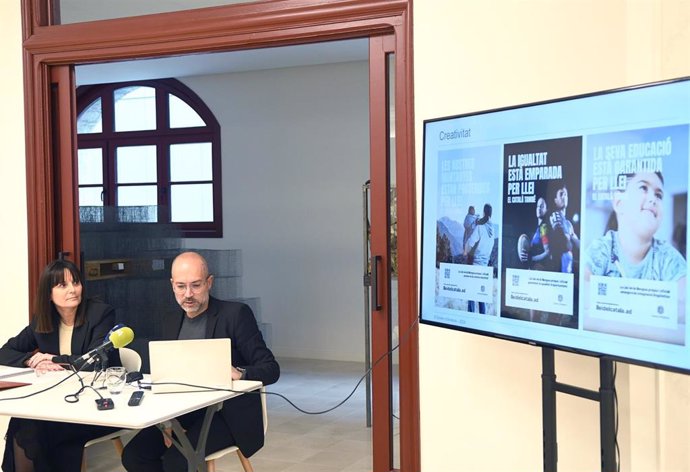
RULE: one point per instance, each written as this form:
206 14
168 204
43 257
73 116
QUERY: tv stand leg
548 392
607 414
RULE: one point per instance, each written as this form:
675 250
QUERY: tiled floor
338 441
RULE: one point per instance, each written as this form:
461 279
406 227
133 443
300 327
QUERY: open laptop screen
193 362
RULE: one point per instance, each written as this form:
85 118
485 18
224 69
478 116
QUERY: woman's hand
43 362
47 366
39 357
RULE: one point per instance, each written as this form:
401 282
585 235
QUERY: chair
131 360
246 465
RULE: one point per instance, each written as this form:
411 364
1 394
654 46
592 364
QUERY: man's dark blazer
236 321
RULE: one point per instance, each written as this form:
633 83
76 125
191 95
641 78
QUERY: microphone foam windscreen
112 330
122 337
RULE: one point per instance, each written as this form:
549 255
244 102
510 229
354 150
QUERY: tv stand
607 414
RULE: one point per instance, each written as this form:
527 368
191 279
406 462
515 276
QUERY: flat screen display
563 223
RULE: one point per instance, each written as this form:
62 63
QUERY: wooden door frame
226 28
379 196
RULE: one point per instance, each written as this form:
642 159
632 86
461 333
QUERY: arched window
148 153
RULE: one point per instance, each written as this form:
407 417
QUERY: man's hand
237 374
523 255
167 432
167 436
556 220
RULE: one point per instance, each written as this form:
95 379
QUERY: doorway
366 20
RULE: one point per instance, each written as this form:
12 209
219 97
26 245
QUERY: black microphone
62 359
117 339
133 377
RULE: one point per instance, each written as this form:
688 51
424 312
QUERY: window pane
191 203
90 165
90 196
135 108
136 164
91 119
137 204
90 205
182 115
137 195
190 162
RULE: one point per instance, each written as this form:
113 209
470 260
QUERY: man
562 239
538 252
240 420
469 223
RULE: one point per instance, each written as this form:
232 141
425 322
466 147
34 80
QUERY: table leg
196 457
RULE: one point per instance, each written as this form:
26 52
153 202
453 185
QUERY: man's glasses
194 287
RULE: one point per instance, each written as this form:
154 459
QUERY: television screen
563 223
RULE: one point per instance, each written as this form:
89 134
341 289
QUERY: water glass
115 378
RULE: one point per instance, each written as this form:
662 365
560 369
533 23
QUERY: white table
155 408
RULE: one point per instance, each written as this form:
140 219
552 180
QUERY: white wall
485 393
13 170
295 156
13 238
471 55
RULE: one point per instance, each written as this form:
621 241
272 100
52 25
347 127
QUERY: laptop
203 362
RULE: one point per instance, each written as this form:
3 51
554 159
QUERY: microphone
117 339
61 359
112 330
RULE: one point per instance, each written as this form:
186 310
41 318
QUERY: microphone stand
102 358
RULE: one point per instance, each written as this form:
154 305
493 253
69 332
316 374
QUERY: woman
66 324
481 243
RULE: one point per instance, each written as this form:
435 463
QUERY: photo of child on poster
635 267
467 229
541 242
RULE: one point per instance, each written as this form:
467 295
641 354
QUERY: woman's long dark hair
487 215
54 274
